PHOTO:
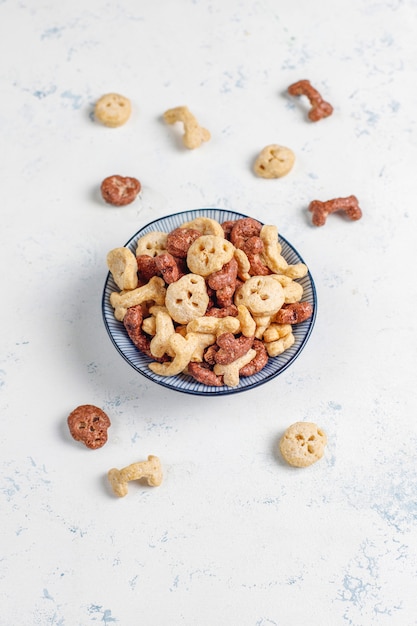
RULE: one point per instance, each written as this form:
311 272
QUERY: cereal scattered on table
303 444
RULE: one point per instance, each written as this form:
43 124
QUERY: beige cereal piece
243 264
247 323
208 254
112 110
194 134
150 470
214 325
262 324
275 331
187 298
164 328
205 225
273 258
152 244
293 292
262 295
183 348
274 348
153 291
302 444
123 267
230 372
274 161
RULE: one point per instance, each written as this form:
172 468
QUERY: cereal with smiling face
274 161
112 110
303 444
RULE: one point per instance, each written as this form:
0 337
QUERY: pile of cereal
214 301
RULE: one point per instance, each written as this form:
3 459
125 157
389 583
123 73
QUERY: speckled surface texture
233 535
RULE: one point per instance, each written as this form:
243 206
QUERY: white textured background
233 536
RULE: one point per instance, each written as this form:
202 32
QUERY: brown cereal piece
146 267
150 470
253 248
88 424
320 210
112 110
274 161
152 243
208 254
258 362
180 239
231 347
206 226
187 298
154 291
120 190
230 372
204 374
227 227
194 134
133 321
123 267
167 267
243 229
224 311
302 444
294 313
319 107
262 295
224 282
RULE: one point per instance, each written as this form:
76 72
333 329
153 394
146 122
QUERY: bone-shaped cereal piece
154 291
276 331
273 257
274 348
319 107
194 134
230 372
123 267
321 210
243 264
293 292
247 323
214 325
164 328
150 470
183 348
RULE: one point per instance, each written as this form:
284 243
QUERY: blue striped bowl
182 382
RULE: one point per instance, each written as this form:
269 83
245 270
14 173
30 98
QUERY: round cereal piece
112 110
262 295
120 190
208 254
89 424
123 267
205 225
274 161
303 444
187 298
152 243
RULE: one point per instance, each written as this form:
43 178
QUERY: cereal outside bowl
183 382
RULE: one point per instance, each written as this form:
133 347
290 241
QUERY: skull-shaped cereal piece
88 424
